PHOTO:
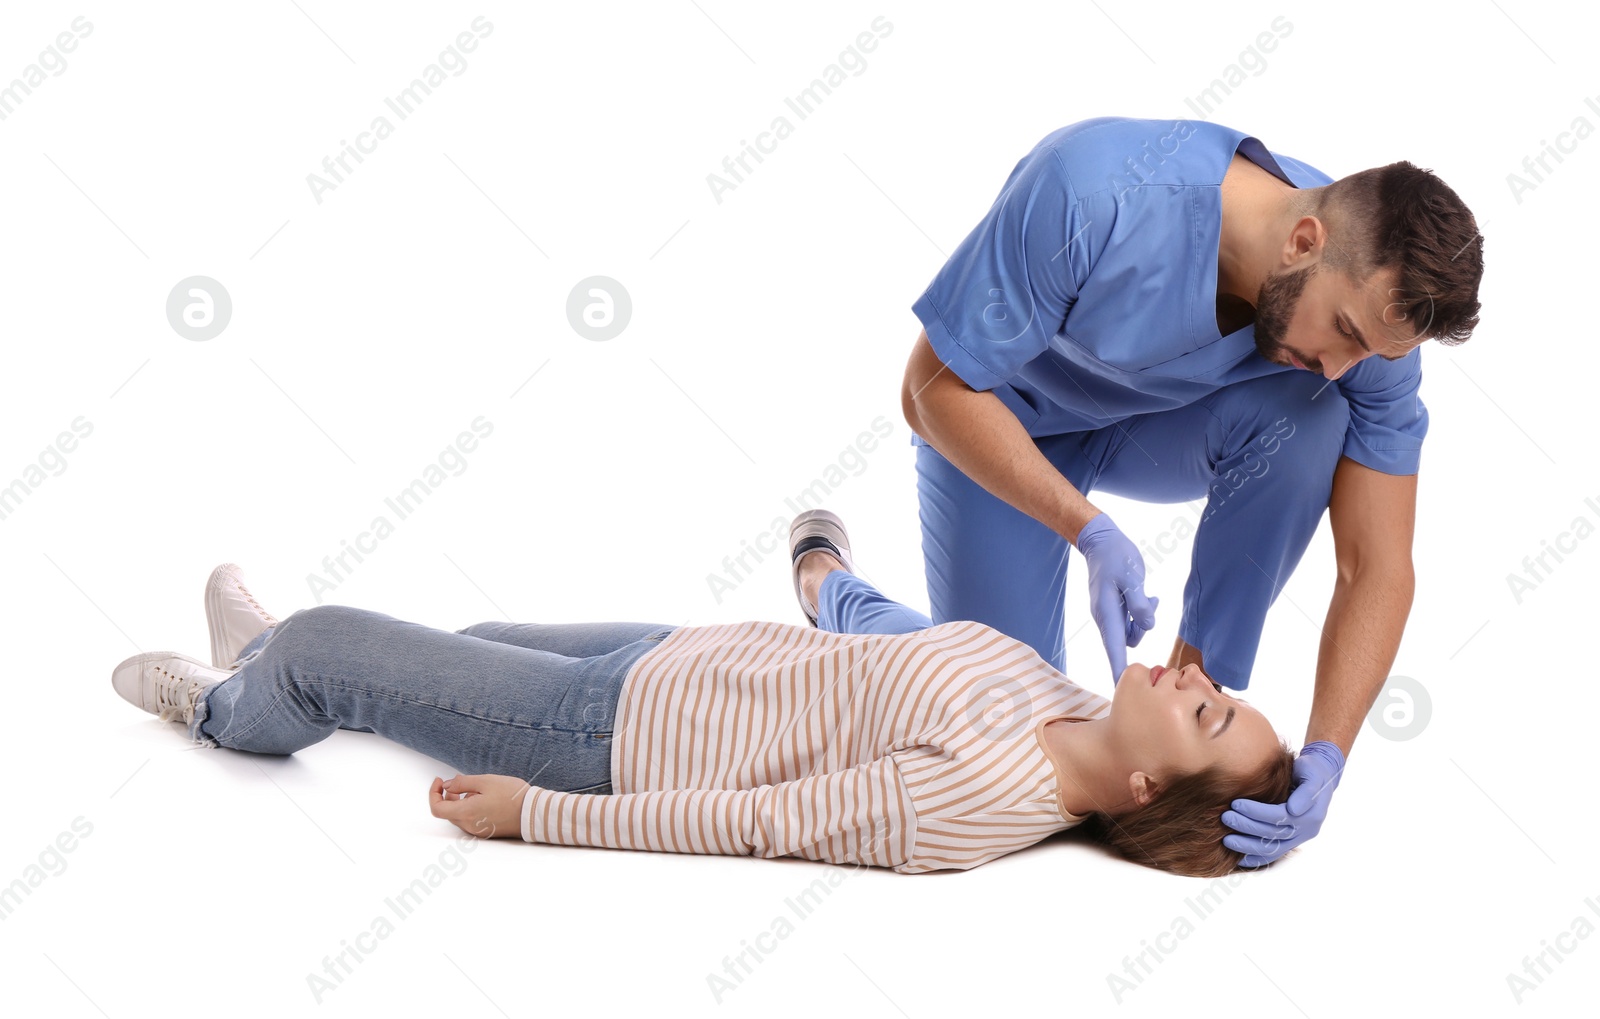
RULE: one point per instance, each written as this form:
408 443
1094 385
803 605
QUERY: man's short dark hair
1404 219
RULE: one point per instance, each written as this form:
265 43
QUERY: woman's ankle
814 566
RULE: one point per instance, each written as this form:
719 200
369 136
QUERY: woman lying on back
873 738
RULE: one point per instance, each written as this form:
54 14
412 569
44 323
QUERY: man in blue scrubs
1168 311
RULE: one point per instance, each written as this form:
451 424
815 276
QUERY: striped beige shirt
915 751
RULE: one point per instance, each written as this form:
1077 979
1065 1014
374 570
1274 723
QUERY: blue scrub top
1087 294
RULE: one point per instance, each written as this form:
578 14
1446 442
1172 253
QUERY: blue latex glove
1272 829
1116 590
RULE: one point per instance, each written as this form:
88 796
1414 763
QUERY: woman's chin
1136 672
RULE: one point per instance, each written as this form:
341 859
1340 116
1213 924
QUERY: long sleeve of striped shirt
861 815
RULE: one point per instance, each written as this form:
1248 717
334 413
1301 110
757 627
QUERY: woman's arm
861 815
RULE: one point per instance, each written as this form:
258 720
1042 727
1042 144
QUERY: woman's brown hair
1181 829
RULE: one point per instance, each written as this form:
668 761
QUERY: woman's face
1173 722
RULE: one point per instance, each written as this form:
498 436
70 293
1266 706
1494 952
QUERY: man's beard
1280 292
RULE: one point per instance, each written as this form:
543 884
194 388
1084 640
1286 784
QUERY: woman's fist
488 806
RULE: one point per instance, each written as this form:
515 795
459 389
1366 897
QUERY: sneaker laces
176 696
245 591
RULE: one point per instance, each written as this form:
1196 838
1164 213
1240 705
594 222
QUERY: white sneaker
233 615
165 684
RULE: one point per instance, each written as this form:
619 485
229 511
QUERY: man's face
1313 317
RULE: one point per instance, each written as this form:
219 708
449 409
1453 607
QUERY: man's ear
1143 788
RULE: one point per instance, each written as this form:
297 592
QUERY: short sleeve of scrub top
1387 417
1004 293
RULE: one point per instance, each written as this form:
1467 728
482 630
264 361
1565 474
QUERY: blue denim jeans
534 700
526 699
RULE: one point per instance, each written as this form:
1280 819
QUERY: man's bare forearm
985 441
1360 639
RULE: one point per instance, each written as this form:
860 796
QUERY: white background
768 331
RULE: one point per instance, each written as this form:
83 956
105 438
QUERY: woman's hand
488 806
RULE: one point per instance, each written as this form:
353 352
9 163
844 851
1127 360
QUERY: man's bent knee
1302 415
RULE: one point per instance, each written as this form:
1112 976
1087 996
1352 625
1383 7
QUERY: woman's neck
1082 754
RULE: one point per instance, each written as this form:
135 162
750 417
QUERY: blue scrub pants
1262 453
